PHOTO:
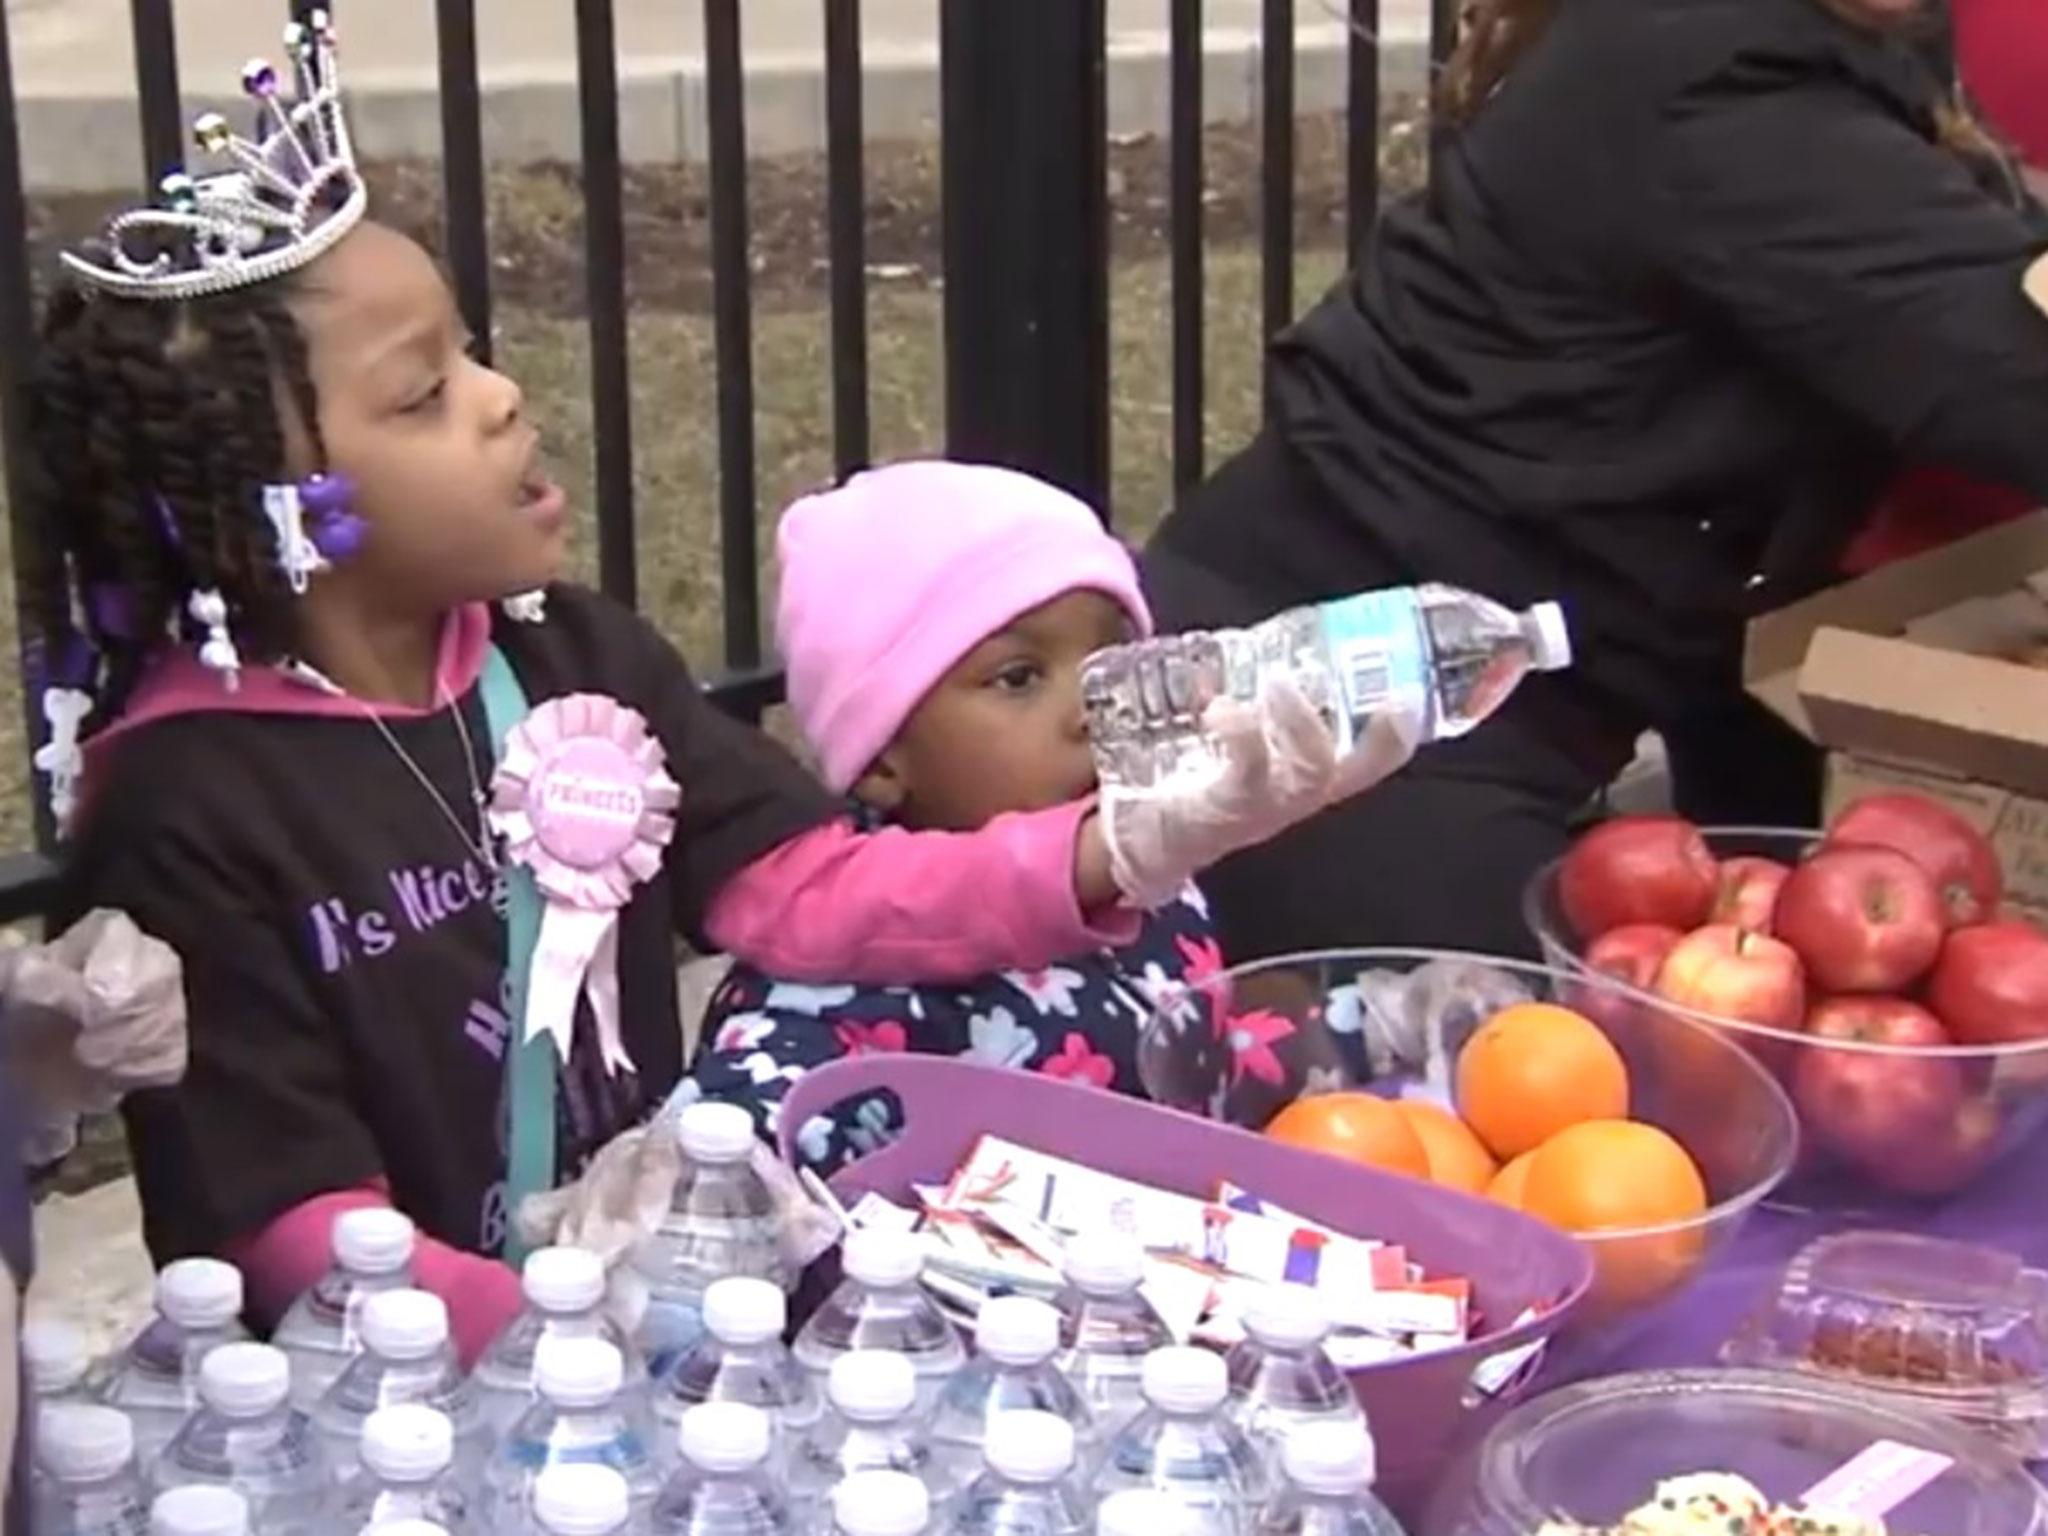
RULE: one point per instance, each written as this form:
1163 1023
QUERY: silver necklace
480 842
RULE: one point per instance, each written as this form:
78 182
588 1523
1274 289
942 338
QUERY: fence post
1025 179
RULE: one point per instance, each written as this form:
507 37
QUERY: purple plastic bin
1421 1410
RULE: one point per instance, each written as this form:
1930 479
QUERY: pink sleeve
293 1252
889 907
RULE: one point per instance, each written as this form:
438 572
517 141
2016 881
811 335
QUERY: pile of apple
1887 934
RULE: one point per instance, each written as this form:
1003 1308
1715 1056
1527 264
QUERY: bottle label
1375 644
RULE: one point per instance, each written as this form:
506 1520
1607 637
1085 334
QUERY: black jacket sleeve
1836 239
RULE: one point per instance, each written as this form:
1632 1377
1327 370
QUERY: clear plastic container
57 1362
579 1499
199 1510
322 1330
1107 1328
1016 1342
564 1289
1326 1485
724 1486
880 1305
246 1436
1143 1512
1028 1487
407 1358
722 1221
741 1359
580 1417
407 1454
1184 1445
1591 1453
156 1380
1281 1377
881 1504
1950 1328
87 1483
871 1423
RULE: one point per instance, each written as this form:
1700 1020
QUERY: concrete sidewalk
74 72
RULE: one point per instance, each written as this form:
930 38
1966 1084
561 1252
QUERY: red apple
1748 893
1729 973
1991 983
1948 1160
1863 919
1637 869
1875 1100
1631 954
1958 857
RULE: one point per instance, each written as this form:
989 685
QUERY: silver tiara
294 191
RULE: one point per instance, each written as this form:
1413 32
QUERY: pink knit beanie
893 577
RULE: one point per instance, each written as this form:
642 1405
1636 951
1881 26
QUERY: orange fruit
1457 1157
1616 1174
1358 1127
1511 1184
1533 1069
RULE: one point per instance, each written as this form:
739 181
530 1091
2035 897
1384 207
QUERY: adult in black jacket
1694 275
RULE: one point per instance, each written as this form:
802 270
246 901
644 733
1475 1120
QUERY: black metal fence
1025 250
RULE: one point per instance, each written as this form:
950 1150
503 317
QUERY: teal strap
531 1063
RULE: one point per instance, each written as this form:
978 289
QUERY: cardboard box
1906 675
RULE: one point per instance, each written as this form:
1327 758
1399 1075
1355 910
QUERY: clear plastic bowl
2001 1091
1708 1093
1593 1452
1948 1328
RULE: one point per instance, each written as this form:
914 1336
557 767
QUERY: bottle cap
1017 1330
1287 1317
1105 1262
1182 1379
881 1259
1334 1457
55 1355
408 1443
405 1325
374 1241
199 1293
578 1373
881 1503
711 1132
724 1436
1550 641
743 1310
580 1499
82 1443
1028 1445
872 1386
563 1279
199 1509
1143 1512
244 1381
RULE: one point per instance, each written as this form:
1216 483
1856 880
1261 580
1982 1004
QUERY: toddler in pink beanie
933 618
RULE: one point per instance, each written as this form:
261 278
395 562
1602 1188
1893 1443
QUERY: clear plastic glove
1279 767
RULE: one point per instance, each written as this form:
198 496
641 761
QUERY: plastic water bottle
880 1305
1183 1445
724 1487
580 1417
407 1452
1281 1376
721 1221
247 1436
564 1290
579 1499
1451 655
741 1359
406 1358
1015 1341
1029 1488
881 1504
57 1363
1328 1488
87 1483
1107 1328
1142 1512
156 1382
870 1424
322 1330
199 1510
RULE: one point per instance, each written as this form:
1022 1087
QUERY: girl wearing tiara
422 825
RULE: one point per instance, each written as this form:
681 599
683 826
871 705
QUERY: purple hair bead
112 609
325 495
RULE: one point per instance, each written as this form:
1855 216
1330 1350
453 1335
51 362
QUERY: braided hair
154 428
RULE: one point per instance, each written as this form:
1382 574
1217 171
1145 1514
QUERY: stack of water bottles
1068 1418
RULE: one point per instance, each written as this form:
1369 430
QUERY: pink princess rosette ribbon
583 799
